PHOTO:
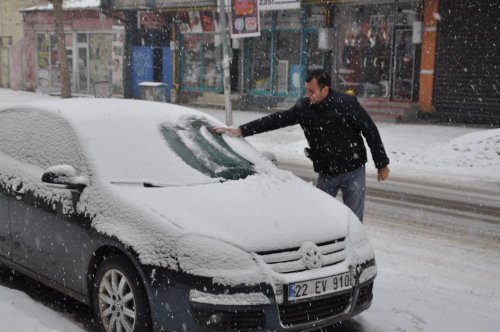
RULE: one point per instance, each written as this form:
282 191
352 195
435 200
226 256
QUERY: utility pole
226 59
63 59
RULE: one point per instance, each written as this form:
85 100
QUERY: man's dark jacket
333 129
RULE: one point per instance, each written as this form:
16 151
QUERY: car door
5 243
47 235
45 230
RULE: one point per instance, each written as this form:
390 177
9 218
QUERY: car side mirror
65 175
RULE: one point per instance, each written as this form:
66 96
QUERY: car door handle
19 192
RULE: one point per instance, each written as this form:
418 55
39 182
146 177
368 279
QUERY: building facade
94 47
11 41
430 56
371 48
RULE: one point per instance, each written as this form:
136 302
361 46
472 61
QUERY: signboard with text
147 4
245 18
278 4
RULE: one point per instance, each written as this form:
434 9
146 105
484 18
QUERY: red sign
150 20
245 18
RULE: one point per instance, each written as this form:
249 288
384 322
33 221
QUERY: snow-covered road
431 278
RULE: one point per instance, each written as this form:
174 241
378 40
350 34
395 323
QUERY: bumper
174 308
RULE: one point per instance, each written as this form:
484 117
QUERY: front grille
365 294
292 314
290 260
243 320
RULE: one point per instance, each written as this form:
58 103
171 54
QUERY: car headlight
209 257
361 250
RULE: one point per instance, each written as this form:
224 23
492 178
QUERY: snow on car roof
81 109
122 139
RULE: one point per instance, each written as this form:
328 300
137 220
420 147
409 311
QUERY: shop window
81 38
287 55
287 59
363 49
43 61
48 60
315 17
82 65
260 55
315 57
100 57
202 67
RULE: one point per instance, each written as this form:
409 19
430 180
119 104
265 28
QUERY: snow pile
479 149
474 157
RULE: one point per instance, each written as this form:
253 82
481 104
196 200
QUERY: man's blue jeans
353 187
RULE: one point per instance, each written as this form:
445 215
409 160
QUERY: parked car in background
141 211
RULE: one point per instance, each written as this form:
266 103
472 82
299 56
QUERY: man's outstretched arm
228 130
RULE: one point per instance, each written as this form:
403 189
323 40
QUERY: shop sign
136 4
278 4
245 18
150 20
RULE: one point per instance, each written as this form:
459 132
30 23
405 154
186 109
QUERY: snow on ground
430 280
22 314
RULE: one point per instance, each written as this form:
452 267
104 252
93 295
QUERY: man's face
315 93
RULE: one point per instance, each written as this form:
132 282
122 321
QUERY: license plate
310 288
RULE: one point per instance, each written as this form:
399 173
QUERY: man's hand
383 173
229 131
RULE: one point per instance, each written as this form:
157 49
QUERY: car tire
120 300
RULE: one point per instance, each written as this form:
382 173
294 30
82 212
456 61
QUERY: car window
39 139
199 147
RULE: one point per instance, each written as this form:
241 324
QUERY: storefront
94 47
277 62
369 47
375 53
273 64
200 51
90 57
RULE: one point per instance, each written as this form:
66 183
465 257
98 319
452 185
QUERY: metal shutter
467 84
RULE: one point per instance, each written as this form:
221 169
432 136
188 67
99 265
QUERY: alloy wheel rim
116 302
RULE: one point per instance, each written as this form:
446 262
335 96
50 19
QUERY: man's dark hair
321 76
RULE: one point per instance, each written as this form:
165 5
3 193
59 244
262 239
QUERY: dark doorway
157 65
404 58
234 72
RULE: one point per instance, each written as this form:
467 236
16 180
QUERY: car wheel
120 301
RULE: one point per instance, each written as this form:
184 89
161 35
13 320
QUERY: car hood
259 213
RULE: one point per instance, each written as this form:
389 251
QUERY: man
333 124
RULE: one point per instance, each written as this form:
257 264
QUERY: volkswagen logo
311 256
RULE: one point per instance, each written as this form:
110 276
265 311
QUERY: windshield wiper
149 184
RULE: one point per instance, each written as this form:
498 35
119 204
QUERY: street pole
225 63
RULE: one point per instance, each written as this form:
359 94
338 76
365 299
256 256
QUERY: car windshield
198 146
